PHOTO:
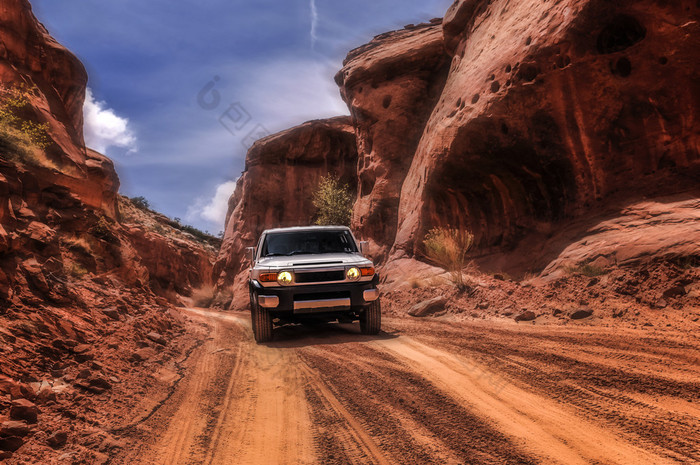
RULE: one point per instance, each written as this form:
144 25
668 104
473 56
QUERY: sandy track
428 392
542 427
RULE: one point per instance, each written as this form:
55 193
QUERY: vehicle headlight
285 278
353 274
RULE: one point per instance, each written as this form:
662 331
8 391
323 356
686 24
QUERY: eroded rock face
514 120
173 265
29 55
549 109
282 172
56 80
390 86
59 215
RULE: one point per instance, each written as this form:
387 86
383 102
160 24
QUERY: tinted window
308 242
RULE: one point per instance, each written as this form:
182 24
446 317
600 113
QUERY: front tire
262 320
371 319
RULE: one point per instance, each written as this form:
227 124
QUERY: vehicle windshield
308 242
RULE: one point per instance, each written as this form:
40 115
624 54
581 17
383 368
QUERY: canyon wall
514 120
55 79
59 212
551 108
390 85
281 174
87 281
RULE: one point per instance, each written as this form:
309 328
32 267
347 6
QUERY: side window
258 249
348 242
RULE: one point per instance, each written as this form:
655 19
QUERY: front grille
321 296
320 276
316 263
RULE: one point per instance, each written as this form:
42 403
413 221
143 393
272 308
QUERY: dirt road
429 392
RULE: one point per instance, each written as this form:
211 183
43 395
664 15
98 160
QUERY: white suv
311 273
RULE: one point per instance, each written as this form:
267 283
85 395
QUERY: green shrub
333 202
14 100
200 235
448 248
141 203
102 229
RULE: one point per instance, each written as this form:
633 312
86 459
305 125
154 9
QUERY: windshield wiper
298 252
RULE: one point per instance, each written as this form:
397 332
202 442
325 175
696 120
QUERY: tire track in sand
369 450
543 427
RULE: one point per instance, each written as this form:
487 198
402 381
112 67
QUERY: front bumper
318 297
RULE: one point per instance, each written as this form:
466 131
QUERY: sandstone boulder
144 354
10 444
675 291
14 428
157 338
57 439
428 307
24 410
580 313
527 315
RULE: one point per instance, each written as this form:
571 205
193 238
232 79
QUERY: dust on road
428 392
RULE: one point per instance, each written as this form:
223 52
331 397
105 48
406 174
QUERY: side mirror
364 248
250 254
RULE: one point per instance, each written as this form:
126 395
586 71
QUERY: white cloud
213 210
104 129
314 23
286 92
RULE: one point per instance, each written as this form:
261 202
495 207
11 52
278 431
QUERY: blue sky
268 65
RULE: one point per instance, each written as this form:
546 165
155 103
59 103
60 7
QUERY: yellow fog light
353 274
285 278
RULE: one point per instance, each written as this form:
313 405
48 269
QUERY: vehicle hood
325 260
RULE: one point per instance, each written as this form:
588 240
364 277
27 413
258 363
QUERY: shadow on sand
315 334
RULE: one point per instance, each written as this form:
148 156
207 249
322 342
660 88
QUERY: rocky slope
178 259
528 123
83 318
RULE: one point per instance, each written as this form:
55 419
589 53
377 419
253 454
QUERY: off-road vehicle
309 274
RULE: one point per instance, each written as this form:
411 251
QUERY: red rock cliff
390 85
550 109
282 171
30 57
516 120
78 285
59 204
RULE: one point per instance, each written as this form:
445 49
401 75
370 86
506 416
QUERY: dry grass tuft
78 271
588 270
448 248
78 244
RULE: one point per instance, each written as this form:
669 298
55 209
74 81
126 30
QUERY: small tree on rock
333 202
141 203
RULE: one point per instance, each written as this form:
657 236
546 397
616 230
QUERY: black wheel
262 320
371 319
